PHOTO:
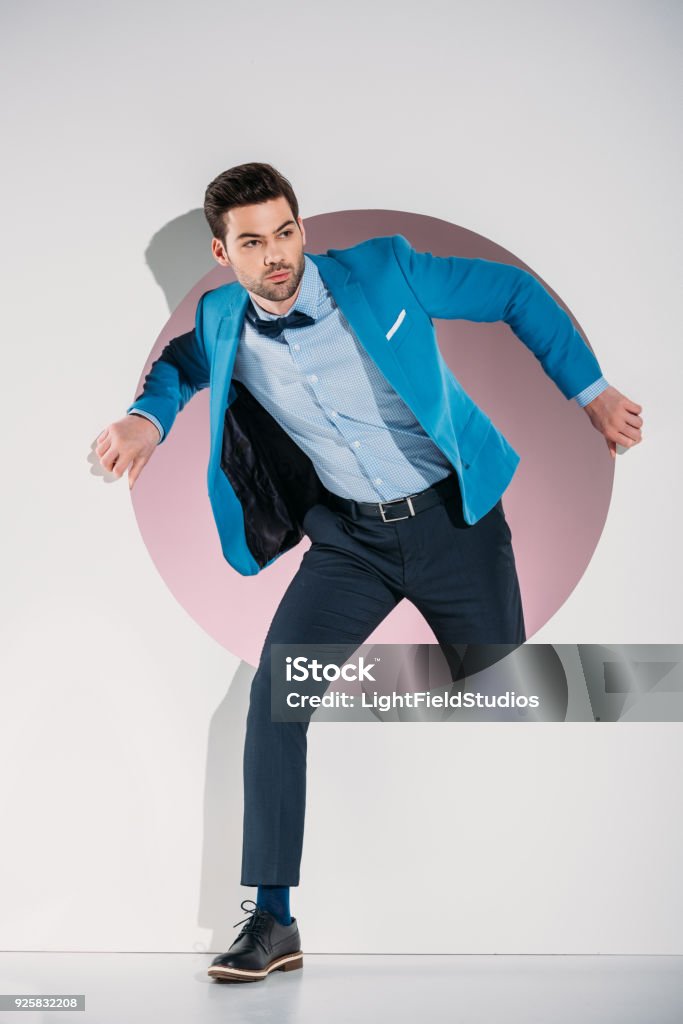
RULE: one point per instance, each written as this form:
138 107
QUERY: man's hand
617 418
127 444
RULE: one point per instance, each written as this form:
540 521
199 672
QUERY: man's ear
219 252
301 228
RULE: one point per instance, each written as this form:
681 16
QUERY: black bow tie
272 328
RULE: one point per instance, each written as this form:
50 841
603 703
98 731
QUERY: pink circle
556 504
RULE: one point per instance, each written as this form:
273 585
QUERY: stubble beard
276 291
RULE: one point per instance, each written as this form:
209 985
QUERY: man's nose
274 253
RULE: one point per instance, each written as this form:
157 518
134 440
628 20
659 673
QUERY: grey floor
174 987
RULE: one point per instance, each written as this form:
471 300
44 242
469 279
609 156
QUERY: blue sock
275 898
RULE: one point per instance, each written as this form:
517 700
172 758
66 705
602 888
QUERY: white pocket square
395 326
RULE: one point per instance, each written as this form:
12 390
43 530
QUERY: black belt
398 508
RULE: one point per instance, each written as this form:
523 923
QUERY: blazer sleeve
454 287
182 369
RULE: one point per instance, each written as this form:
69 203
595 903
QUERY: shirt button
297 346
378 480
313 378
356 444
333 412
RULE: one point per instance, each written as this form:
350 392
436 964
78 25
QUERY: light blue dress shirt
325 391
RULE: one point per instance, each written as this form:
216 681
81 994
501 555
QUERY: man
333 414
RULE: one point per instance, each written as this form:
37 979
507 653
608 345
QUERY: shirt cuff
591 392
149 416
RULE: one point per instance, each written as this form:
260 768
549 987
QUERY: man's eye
255 241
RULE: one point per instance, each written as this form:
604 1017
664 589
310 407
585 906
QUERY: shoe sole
290 962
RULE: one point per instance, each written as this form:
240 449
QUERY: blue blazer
260 483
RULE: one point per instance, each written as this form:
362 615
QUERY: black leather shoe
263 945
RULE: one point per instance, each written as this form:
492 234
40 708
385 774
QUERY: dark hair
242 186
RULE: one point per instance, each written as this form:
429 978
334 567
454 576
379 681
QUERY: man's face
261 241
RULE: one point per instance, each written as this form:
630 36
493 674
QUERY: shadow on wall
219 888
178 256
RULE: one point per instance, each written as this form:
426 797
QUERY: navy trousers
461 577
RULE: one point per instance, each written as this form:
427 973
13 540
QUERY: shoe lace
255 921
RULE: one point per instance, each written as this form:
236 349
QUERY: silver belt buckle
396 519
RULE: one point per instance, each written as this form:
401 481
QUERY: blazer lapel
350 297
229 331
